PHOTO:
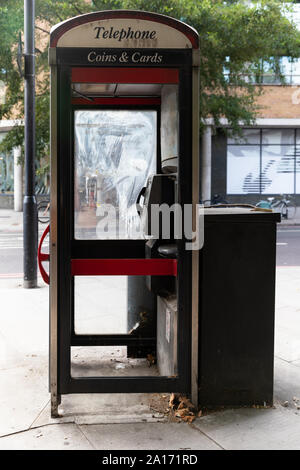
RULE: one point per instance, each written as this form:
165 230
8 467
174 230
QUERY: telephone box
124 134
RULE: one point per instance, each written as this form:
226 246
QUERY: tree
234 36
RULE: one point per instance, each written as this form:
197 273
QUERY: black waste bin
236 308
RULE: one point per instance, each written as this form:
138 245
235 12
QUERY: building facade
265 160
11 172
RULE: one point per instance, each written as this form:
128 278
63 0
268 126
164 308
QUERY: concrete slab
253 429
287 287
9 355
23 358
158 436
101 361
56 437
287 383
287 343
287 316
103 409
23 395
26 317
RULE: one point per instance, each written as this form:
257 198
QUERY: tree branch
42 29
59 17
76 8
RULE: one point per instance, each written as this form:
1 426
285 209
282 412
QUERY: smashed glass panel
115 152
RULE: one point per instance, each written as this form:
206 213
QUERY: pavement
132 421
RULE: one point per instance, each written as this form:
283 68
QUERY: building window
279 71
6 170
264 161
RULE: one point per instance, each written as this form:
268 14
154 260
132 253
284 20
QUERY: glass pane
115 152
249 136
285 66
278 169
243 169
104 312
270 79
278 136
119 305
298 137
295 71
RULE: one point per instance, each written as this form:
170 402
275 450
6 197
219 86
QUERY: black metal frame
68 249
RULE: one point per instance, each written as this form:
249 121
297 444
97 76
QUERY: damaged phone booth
129 301
124 106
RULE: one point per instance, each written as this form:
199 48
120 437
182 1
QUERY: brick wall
279 102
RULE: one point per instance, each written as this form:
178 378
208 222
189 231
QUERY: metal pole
206 164
30 221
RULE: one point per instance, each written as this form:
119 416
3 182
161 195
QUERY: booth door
114 154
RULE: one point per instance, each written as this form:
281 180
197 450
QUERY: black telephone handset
139 207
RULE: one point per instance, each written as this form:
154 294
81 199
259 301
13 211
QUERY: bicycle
285 205
216 200
43 209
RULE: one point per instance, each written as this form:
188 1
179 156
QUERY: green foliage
233 35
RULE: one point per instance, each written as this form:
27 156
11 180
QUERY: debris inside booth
151 360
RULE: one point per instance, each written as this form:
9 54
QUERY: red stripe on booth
124 75
124 267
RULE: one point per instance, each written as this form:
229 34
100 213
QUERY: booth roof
59 29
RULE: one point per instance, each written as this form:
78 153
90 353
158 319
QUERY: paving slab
23 355
9 354
287 287
287 314
287 292
23 395
287 343
287 383
25 325
157 436
52 437
253 429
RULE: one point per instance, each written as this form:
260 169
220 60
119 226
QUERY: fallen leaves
176 407
183 408
151 360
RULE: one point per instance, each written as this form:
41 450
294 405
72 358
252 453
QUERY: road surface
11 250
